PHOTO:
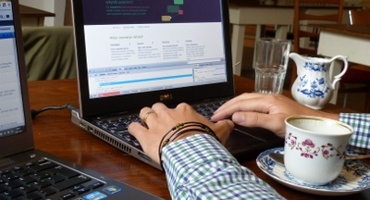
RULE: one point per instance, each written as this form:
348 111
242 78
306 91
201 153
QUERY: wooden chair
357 77
359 17
305 37
68 14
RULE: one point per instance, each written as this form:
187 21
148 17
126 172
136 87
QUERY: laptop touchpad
251 141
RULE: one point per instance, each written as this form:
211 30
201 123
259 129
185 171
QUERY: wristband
181 129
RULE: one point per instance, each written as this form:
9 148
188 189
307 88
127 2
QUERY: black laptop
27 173
131 54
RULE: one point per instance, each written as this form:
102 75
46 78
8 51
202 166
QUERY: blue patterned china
314 85
354 177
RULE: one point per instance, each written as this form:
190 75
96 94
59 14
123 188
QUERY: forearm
198 167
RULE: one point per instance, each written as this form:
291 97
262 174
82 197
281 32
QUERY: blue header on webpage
137 11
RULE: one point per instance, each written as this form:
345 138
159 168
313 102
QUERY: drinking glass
270 65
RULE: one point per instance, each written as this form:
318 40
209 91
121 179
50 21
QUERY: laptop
27 173
132 54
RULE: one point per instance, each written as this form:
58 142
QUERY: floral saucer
355 176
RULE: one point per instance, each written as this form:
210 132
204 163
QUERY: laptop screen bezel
23 141
92 107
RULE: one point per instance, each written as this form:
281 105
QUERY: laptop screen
141 46
11 107
15 117
135 53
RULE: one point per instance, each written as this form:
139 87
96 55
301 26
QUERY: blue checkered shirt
360 122
197 167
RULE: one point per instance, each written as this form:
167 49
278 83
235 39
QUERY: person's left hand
267 111
160 119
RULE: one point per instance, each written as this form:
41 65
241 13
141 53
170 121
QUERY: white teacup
315 147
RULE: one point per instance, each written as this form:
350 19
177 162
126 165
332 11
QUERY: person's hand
160 119
265 111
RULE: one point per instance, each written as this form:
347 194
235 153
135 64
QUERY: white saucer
355 176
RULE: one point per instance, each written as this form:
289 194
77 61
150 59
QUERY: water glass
270 64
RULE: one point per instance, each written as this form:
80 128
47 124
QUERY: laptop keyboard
44 179
118 125
207 109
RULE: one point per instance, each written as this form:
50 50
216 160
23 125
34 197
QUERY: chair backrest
306 13
302 17
359 17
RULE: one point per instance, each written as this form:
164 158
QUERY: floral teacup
315 147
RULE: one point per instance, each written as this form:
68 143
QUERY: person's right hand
159 119
264 110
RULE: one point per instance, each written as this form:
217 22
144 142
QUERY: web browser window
141 46
11 108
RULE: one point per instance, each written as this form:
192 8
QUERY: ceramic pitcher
314 85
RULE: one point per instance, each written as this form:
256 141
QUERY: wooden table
33 16
257 12
251 12
55 133
352 41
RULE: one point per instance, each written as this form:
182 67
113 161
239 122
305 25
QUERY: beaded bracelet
181 129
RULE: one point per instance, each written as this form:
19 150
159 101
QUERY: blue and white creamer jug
315 85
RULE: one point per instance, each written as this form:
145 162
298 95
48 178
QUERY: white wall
55 6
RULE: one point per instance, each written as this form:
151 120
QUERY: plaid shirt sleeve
198 167
361 125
